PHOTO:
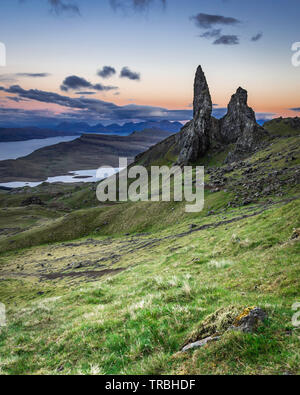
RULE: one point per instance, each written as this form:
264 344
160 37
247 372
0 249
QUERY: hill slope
90 151
22 134
110 303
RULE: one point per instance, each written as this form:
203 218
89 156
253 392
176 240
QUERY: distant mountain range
125 129
30 133
69 129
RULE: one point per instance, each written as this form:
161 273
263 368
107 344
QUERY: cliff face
237 127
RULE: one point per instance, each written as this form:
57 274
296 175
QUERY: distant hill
70 129
89 151
283 126
22 134
125 129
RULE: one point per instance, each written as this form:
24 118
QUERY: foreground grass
136 321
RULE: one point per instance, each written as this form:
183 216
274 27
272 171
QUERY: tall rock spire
202 99
194 138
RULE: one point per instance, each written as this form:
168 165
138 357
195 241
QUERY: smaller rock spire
238 117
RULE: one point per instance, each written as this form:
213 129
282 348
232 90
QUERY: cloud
60 6
137 5
262 117
7 78
73 82
14 77
207 21
227 39
131 75
33 75
296 109
85 93
107 72
257 37
214 33
99 110
90 110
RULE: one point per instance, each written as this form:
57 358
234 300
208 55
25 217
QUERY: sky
133 60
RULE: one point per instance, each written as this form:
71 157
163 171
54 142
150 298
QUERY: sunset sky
130 60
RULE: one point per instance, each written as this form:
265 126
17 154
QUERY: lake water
94 175
18 149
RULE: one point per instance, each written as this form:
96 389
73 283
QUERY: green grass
137 321
283 127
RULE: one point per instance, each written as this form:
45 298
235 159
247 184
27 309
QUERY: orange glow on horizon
184 103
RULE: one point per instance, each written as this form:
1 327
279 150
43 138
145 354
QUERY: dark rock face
247 143
32 200
240 117
237 127
202 110
249 322
194 137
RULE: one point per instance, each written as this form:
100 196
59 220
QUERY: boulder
201 343
223 320
32 200
249 320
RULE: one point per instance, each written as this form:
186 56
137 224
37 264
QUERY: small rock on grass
222 321
201 343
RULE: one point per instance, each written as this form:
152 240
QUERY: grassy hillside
137 320
283 126
120 288
89 151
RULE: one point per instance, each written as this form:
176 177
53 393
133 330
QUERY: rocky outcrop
31 201
237 127
249 141
226 319
239 117
194 138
